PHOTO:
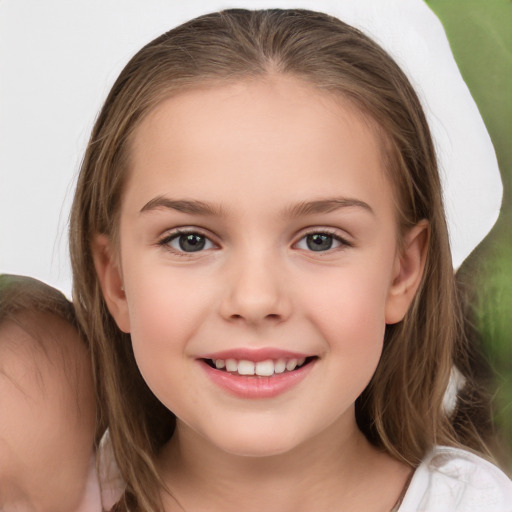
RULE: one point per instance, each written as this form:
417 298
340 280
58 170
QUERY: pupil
319 242
191 243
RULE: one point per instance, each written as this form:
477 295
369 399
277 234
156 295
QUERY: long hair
401 410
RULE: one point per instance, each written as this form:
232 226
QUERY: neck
332 471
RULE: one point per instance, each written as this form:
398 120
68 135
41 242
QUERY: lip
255 386
256 355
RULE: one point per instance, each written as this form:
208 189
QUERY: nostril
253 307
271 316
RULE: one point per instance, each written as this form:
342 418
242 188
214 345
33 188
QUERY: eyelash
343 242
167 239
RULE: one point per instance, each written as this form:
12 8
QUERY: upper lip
260 354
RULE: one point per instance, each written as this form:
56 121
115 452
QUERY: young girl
262 265
47 462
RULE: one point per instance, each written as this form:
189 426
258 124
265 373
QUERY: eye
320 242
187 242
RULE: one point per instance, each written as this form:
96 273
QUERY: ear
409 265
111 282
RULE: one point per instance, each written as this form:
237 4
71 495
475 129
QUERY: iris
191 242
319 242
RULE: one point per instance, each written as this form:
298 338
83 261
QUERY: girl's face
258 233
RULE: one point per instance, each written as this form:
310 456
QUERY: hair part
401 410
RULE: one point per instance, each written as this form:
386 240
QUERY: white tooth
291 364
301 361
220 363
265 368
280 366
245 367
231 365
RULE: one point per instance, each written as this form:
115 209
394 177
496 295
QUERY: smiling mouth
266 368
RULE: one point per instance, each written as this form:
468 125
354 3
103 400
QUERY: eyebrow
325 206
300 209
183 205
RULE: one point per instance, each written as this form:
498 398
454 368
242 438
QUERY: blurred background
480 34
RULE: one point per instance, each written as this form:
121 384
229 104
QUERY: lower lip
254 386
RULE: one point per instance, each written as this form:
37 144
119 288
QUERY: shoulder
455 480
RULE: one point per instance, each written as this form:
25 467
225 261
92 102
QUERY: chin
255 442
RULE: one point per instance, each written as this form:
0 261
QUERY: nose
256 291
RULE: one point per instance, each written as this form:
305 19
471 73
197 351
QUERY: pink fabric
91 501
104 484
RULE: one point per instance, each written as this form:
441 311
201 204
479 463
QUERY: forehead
37 332
277 134
42 354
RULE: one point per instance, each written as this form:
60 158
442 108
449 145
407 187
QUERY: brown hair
23 294
23 301
401 410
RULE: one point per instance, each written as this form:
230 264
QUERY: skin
46 440
257 284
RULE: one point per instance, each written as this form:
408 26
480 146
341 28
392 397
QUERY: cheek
165 312
348 308
163 307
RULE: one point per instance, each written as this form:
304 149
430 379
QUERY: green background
480 34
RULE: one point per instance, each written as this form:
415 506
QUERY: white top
448 480
110 480
454 480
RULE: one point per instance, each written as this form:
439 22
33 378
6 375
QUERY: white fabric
454 480
111 482
59 58
448 480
